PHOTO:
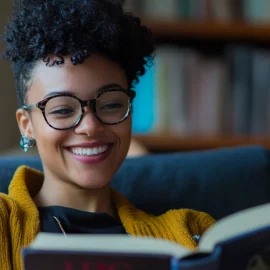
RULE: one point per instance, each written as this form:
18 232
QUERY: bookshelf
225 32
219 37
230 31
173 143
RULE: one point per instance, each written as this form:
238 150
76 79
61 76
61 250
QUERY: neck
60 193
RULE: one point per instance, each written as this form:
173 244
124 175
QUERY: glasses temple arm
31 106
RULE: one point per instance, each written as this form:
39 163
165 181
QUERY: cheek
47 137
123 132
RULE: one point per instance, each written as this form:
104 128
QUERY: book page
236 224
107 243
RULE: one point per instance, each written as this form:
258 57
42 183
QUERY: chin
93 178
92 186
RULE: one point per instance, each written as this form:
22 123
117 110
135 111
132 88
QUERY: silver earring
27 143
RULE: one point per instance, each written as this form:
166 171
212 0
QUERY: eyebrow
60 92
69 92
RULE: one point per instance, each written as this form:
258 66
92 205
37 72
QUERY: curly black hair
39 28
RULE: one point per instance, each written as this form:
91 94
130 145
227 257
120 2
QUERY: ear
25 123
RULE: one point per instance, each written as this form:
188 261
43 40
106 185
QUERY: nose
89 124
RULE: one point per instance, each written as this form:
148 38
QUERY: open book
239 241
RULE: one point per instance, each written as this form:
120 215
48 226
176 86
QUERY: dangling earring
27 143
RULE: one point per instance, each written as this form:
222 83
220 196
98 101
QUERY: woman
75 63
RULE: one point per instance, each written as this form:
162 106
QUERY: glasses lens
63 112
112 107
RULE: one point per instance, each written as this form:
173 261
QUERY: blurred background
208 86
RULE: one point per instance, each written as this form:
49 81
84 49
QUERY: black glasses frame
92 102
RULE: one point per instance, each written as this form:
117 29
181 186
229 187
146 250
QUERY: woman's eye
63 111
112 106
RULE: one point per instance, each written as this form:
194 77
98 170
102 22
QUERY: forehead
83 80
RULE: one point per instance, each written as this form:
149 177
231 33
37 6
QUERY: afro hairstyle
75 28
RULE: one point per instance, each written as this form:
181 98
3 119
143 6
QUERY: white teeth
89 151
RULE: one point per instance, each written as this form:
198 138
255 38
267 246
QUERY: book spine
260 93
240 63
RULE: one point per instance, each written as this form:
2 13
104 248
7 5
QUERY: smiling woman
75 63
75 123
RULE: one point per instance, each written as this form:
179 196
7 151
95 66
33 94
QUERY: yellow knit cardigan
19 219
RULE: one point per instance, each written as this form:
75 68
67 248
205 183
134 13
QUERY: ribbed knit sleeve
184 224
5 248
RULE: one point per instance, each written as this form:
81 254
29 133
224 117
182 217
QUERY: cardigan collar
27 182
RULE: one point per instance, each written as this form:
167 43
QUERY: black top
76 221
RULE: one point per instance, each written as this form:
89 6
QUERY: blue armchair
219 182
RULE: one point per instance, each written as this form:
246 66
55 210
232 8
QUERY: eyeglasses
65 111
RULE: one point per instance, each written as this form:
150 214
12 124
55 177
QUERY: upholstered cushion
219 182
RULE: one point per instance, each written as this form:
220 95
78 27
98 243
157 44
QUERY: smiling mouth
89 151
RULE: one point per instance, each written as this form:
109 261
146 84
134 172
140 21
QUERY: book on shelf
239 241
239 85
143 107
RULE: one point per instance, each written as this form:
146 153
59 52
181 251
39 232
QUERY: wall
9 134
